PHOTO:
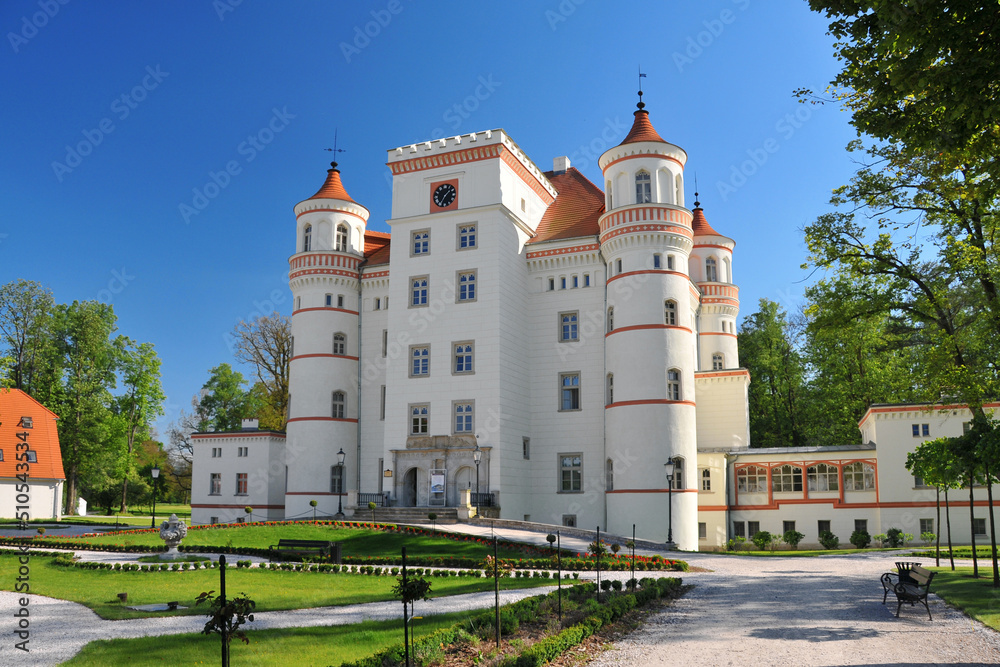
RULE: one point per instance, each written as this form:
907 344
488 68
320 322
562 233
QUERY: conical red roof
642 129
333 188
700 225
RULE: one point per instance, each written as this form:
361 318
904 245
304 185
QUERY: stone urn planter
172 531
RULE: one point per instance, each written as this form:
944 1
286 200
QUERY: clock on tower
444 196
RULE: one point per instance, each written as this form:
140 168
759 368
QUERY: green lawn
271 590
802 552
960 552
315 646
976 597
356 541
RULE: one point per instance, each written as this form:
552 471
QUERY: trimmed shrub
894 538
792 538
861 539
761 539
829 540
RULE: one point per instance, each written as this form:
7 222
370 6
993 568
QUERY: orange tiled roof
575 211
43 438
332 188
376 248
642 129
700 224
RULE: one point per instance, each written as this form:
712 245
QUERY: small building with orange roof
31 469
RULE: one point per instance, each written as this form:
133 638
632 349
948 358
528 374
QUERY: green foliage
880 538
792 538
413 589
225 402
829 540
927 537
225 617
860 539
762 539
894 538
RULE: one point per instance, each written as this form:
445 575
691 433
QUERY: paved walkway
765 611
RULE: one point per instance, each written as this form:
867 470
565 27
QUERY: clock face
444 195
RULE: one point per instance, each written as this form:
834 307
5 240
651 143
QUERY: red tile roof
700 224
332 188
42 438
642 129
376 248
575 211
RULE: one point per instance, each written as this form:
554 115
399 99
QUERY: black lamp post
669 469
340 490
477 456
155 472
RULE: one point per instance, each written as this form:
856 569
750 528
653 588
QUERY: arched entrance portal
464 479
408 489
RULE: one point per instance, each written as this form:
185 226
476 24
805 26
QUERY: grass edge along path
975 597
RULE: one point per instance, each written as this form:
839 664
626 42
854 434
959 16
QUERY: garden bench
910 585
322 548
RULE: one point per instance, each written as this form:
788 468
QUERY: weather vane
335 150
641 77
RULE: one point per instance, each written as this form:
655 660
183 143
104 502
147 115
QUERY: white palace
572 339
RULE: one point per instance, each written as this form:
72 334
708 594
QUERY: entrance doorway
408 489
465 478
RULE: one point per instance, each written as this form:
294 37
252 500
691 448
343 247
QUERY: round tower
323 377
646 239
712 270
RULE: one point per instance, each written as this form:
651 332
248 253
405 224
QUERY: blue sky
153 151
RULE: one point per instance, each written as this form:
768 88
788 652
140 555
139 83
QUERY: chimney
250 424
560 165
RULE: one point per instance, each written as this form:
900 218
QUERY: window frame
643 187
459 287
467 232
674 384
866 474
413 427
242 482
420 242
711 270
468 416
670 312
718 361
307 238
469 366
787 481
706 479
751 479
814 479
569 332
337 480
338 408
575 471
425 371
574 390
342 344
341 238
419 290
215 484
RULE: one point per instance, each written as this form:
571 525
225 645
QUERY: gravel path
801 611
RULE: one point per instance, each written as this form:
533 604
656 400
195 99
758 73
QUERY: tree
934 461
777 393
265 343
139 404
25 318
907 68
224 402
86 354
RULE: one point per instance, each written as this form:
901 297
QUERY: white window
718 363
466 286
570 473
586 280
609 475
678 473
751 479
657 260
576 281
562 282
979 526
673 385
922 429
670 262
339 343
420 361
418 291
385 342
241 484
822 477
216 452
378 303
552 284
341 238
706 480
611 319
618 267
926 526
213 519
329 300
466 236
643 193
381 410
337 479
421 242
569 391
786 478
340 301
419 419
670 312
526 448
711 270
298 302
307 235
215 484
859 476
702 530
463 358
861 525
569 327
242 451
611 389
464 412
338 405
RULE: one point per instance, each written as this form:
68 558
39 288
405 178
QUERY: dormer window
643 188
341 238
307 236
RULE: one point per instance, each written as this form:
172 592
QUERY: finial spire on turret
697 204
641 105
335 150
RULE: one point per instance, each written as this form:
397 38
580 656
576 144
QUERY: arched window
611 319
609 475
718 363
338 404
337 479
307 236
786 478
339 343
822 477
670 312
611 389
678 190
678 472
610 196
859 476
706 480
341 238
673 385
711 270
751 479
727 267
643 191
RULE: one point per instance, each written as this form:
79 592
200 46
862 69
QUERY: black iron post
155 472
496 588
669 469
340 492
222 597
633 558
477 456
597 552
559 570
406 631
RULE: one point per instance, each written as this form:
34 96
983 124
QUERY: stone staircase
445 515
